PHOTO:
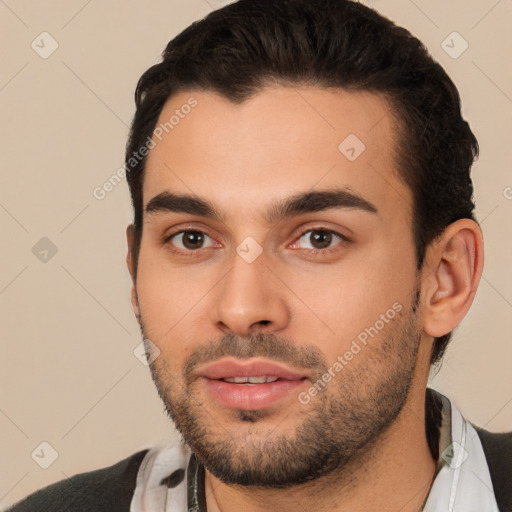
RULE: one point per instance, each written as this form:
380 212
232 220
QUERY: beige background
68 373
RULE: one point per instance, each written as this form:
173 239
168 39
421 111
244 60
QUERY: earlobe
454 270
135 303
130 237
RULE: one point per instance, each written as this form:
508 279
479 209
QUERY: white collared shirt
462 481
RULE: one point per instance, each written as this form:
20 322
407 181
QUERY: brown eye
319 239
191 240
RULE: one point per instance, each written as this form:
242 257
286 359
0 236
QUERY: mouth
251 380
250 385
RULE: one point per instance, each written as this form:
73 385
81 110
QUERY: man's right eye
190 240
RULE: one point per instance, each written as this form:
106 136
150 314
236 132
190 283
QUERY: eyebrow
308 202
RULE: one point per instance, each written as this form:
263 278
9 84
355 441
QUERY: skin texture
299 302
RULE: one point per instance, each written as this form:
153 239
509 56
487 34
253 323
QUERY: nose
250 299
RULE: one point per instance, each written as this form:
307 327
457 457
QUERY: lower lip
251 397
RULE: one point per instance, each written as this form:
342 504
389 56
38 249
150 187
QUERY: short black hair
238 50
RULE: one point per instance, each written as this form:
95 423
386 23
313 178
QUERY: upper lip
228 368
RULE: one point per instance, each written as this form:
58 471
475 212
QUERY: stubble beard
340 424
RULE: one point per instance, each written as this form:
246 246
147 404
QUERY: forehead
282 141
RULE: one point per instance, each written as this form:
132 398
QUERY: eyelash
315 252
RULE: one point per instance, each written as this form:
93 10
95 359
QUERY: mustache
258 345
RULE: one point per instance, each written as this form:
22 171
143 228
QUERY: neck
395 473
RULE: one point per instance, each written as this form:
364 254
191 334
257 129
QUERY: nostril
264 322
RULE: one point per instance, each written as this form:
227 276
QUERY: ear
454 266
130 237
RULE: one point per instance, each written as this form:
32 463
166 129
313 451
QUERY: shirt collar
196 499
462 482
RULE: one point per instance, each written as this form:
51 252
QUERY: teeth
236 380
257 380
251 380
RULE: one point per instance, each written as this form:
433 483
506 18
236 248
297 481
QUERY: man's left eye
319 239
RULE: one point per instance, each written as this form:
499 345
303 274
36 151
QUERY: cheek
169 302
364 294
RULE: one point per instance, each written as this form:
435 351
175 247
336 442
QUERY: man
303 245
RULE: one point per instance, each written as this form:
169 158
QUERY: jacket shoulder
498 452
104 490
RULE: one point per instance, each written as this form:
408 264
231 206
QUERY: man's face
296 262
